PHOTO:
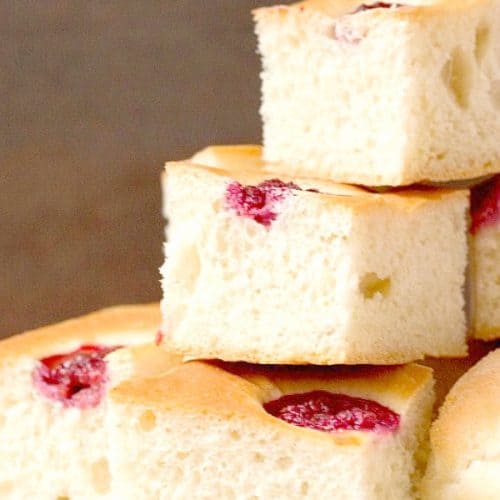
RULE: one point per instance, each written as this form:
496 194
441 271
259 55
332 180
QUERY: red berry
76 379
258 202
159 337
485 204
377 5
329 412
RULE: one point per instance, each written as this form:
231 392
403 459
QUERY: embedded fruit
485 204
159 337
329 412
258 202
377 5
76 379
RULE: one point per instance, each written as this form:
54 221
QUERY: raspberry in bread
381 93
239 431
464 462
52 400
298 271
485 256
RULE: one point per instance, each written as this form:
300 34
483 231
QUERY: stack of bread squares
305 284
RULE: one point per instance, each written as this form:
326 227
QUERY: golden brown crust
244 163
469 415
96 327
393 381
238 390
145 359
487 333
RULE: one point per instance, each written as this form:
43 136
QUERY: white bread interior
342 276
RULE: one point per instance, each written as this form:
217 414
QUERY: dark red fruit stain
485 204
258 202
158 337
329 412
377 5
76 379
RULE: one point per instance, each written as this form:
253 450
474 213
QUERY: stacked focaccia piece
295 307
53 399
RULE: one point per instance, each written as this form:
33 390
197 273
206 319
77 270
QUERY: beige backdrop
95 96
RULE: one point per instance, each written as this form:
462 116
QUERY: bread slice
465 440
208 431
52 441
320 273
485 258
382 94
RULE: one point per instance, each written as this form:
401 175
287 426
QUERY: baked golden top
110 326
244 164
238 390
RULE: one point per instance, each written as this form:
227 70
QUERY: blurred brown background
95 96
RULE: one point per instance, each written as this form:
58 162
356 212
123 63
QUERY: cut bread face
464 462
202 431
299 271
53 397
485 257
381 94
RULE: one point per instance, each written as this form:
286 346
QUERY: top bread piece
388 95
465 439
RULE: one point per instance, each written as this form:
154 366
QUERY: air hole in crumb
457 75
101 478
187 269
216 205
235 435
483 39
304 487
284 463
371 284
6 488
147 421
193 268
258 457
495 93
177 474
